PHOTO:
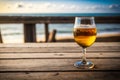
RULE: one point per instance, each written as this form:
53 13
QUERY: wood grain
99 55
60 44
54 61
60 50
61 76
56 65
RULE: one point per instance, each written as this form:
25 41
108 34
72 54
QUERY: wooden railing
30 21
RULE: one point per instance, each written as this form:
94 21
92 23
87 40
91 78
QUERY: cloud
29 7
23 5
96 7
19 5
74 7
114 6
55 6
48 5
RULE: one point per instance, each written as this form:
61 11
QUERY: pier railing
30 21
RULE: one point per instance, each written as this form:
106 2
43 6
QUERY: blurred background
13 33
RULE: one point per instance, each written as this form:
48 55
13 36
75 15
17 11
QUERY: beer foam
85 26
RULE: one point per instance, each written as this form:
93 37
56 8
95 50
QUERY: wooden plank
63 44
60 49
29 33
38 19
99 55
61 76
45 65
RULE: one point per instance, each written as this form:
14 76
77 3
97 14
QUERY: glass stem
84 56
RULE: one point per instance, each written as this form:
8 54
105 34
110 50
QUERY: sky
59 6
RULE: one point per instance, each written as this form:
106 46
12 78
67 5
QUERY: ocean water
13 33
59 14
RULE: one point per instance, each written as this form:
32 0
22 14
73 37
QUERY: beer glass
84 35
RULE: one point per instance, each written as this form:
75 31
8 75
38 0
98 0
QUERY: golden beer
85 37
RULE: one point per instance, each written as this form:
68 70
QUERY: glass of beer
84 35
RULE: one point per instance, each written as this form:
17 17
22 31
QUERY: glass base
80 64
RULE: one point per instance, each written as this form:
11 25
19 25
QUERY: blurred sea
13 33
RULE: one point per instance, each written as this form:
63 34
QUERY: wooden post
1 37
46 32
52 36
29 33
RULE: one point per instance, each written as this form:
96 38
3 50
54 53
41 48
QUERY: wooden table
54 61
